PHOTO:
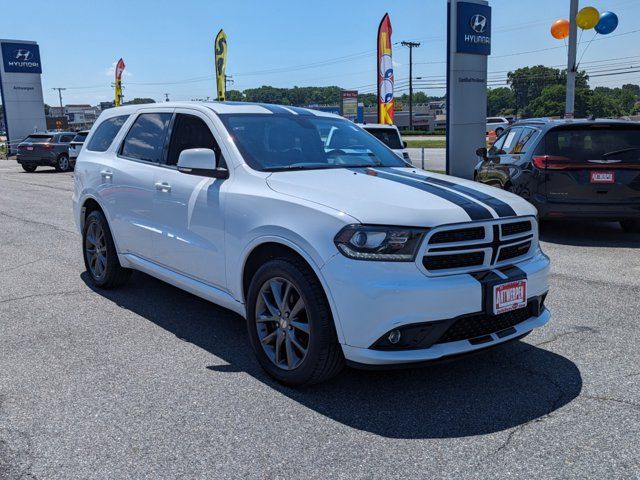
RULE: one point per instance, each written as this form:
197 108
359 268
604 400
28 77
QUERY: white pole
571 63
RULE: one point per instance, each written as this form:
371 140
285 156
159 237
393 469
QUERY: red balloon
560 29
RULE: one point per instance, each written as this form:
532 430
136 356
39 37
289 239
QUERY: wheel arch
273 247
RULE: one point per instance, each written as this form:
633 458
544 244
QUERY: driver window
190 131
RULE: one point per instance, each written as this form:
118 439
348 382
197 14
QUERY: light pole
411 45
571 63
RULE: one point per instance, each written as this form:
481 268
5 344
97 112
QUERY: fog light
394 336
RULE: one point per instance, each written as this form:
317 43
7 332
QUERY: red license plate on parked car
509 296
602 176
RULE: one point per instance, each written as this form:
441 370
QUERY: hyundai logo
478 23
23 54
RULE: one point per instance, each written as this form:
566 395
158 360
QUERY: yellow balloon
587 18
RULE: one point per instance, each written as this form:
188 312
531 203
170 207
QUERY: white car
390 136
332 255
497 124
76 145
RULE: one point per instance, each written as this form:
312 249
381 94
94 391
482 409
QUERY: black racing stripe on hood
473 209
502 209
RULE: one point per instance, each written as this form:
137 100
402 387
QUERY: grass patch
426 143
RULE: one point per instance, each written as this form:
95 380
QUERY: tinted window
105 133
81 137
190 131
282 142
66 138
597 142
145 140
388 136
38 138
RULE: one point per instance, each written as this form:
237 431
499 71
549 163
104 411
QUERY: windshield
596 142
388 136
271 142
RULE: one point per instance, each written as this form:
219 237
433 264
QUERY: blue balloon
608 23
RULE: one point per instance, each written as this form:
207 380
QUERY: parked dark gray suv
588 169
45 149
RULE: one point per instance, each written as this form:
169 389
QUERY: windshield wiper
286 167
624 150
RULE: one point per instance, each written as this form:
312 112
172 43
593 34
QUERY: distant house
80 117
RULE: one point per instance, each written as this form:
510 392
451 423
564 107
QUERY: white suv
331 253
497 124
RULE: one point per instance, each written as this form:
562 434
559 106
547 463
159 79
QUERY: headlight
389 244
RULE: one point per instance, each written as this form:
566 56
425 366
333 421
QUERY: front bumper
372 298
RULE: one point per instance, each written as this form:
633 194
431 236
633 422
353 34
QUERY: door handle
106 174
163 187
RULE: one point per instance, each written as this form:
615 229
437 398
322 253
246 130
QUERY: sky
168 45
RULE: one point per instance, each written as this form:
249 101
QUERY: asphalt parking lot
152 382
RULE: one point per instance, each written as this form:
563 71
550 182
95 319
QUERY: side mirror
404 144
202 162
482 152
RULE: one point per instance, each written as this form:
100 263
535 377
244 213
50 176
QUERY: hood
400 196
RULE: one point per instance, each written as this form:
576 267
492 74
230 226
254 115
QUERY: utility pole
228 80
59 89
411 45
571 63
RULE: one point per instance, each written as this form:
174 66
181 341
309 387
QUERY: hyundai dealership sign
21 89
21 58
473 28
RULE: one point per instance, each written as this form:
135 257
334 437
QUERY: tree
552 99
234 96
604 105
500 101
139 101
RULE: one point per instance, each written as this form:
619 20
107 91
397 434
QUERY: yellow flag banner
385 72
221 64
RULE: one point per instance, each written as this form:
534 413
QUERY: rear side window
525 141
388 136
190 131
66 138
145 140
81 137
105 133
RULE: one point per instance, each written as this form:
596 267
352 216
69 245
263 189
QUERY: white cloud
111 71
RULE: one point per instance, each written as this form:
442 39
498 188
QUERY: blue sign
474 28
21 58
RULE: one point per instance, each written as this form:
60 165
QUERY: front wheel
630 226
290 325
499 131
99 252
62 163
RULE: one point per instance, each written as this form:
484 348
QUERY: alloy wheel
63 163
282 323
96 250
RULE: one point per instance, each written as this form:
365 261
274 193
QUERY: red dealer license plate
509 296
600 176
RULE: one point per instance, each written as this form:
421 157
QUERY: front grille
515 228
458 260
513 251
478 245
458 235
482 324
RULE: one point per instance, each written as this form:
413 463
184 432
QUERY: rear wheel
499 131
29 168
630 226
62 163
99 252
290 324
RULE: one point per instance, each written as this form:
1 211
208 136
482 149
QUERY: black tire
62 163
29 168
630 226
112 275
323 358
499 131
